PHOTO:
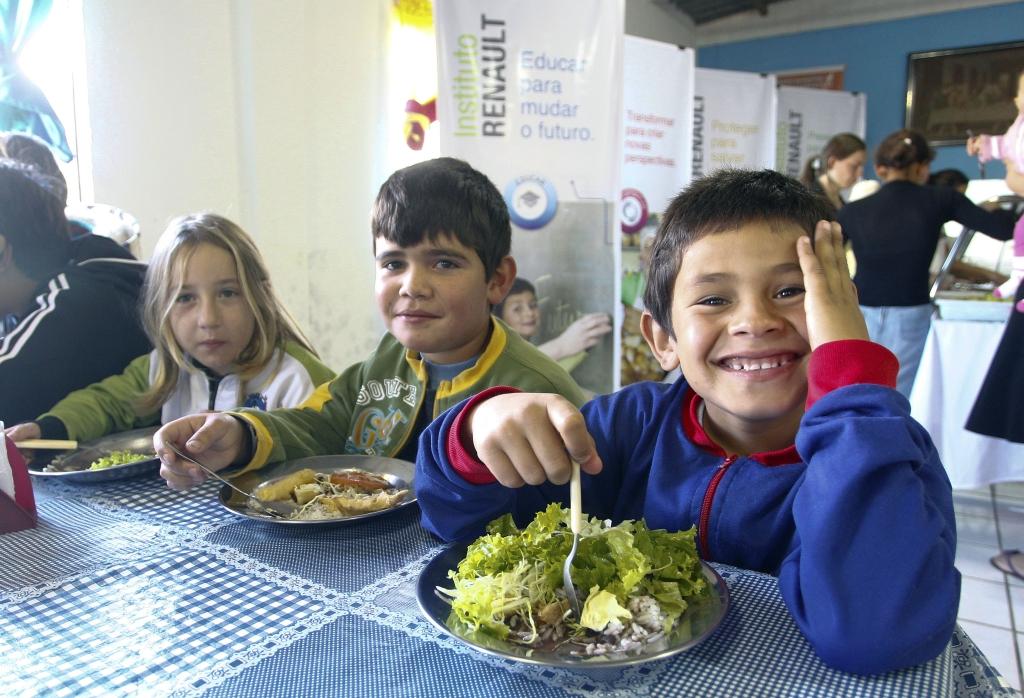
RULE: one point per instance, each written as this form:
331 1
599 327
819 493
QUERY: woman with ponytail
894 233
838 166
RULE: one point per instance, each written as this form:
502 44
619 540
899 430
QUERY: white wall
263 111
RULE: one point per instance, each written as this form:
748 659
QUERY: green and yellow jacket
371 408
109 406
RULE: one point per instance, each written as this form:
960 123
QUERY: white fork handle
575 500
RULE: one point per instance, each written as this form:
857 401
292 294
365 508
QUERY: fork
575 523
250 499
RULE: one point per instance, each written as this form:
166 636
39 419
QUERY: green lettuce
510 573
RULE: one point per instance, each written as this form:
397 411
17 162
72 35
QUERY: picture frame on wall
955 91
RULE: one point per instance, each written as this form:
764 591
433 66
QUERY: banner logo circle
531 201
633 211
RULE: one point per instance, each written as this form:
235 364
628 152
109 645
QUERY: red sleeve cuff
459 446
849 362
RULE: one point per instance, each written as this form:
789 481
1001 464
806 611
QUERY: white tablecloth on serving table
956 358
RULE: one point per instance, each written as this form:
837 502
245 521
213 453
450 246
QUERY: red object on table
17 504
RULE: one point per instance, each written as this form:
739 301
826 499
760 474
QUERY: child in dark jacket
68 308
784 442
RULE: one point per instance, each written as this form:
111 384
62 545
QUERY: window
53 59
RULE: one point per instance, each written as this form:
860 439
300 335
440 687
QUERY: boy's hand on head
529 438
830 302
214 439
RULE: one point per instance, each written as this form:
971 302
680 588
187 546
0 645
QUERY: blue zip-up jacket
860 531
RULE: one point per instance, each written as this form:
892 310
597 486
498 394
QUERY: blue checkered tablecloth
132 589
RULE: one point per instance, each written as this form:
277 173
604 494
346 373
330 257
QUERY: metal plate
73 466
398 472
702 618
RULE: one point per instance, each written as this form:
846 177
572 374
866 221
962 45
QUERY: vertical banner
658 100
530 93
733 120
808 117
658 83
411 84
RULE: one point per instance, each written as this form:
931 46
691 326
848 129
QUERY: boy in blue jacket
784 442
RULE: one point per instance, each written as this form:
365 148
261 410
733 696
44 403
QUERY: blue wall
875 56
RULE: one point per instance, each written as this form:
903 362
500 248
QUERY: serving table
132 589
953 366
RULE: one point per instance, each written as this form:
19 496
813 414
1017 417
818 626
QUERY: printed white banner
808 117
733 120
530 93
658 121
656 163
535 85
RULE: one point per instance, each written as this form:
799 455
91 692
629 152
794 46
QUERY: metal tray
73 467
398 472
700 621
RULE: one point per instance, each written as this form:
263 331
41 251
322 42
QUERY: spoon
575 523
252 502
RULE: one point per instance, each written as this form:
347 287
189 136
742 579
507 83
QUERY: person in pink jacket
1009 148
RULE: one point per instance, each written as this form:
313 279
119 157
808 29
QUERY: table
131 588
956 357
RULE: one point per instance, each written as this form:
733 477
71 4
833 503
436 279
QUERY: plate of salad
645 594
112 457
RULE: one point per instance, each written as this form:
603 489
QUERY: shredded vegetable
119 458
634 582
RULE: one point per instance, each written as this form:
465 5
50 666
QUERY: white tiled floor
992 603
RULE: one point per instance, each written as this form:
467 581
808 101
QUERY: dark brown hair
901 149
722 201
444 196
32 220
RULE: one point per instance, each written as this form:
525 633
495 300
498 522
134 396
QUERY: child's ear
660 342
501 280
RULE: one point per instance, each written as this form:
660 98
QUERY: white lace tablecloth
132 589
956 358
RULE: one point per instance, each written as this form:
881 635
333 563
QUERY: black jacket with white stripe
84 326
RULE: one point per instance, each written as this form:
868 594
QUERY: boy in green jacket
441 244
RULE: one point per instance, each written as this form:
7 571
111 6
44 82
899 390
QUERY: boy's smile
741 333
434 296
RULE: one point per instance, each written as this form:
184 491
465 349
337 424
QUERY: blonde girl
221 339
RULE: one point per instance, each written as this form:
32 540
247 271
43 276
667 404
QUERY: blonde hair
274 326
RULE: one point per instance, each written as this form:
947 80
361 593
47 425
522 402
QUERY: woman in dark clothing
839 166
999 408
894 233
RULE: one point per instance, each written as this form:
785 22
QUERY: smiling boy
441 236
784 443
